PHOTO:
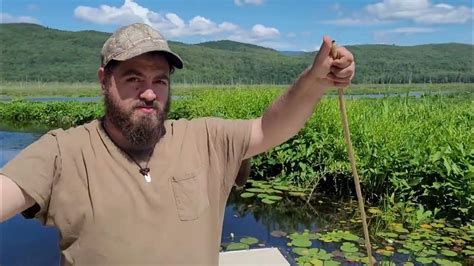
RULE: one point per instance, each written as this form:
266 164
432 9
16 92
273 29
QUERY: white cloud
173 26
260 31
259 35
8 18
420 11
248 2
386 36
354 21
417 11
411 30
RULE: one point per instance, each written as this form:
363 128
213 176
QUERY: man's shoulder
77 132
200 123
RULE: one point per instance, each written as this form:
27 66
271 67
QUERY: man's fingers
345 58
342 73
325 48
332 77
342 84
323 52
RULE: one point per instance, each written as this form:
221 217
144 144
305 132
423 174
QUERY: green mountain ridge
32 52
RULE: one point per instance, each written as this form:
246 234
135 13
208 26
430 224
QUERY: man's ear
101 76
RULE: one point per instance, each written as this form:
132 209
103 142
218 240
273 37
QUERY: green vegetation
52 114
333 234
37 54
49 89
418 149
17 89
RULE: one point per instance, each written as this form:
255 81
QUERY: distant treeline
31 52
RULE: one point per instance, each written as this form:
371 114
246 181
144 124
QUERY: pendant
147 177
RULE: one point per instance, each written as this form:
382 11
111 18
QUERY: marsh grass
91 89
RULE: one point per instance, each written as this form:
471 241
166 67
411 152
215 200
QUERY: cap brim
172 57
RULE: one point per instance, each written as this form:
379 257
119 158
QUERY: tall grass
91 89
419 149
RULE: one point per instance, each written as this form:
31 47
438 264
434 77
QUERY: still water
27 242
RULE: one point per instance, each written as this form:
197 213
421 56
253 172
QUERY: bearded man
135 188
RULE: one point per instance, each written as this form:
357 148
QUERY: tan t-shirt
107 213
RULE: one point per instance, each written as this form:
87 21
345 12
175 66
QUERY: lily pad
426 226
317 262
247 195
401 230
437 225
451 230
350 237
284 188
403 251
274 198
301 251
331 263
255 190
418 246
445 262
323 256
249 240
267 201
302 243
387 234
278 233
237 246
349 249
468 252
424 260
449 253
384 252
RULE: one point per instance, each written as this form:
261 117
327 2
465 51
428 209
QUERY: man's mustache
154 104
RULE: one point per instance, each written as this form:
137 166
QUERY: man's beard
142 131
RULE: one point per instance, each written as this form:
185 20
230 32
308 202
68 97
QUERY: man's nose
148 94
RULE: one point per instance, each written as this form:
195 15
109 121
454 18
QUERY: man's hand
330 72
288 114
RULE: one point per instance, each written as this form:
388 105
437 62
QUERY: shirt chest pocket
190 194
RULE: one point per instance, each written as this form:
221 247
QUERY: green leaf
301 251
424 260
255 190
247 195
302 243
237 246
249 240
448 253
267 201
274 198
317 262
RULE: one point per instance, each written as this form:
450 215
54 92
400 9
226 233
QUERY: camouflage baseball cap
134 40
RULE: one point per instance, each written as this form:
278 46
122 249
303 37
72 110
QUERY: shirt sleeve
231 138
34 170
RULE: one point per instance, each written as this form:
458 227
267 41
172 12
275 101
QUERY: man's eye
162 82
133 79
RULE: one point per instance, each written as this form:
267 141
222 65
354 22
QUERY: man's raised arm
288 114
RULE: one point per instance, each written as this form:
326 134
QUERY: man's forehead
149 61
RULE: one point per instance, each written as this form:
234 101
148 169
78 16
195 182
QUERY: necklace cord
143 170
350 151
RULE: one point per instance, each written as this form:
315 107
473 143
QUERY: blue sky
296 25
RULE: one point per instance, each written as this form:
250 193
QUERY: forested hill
35 53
